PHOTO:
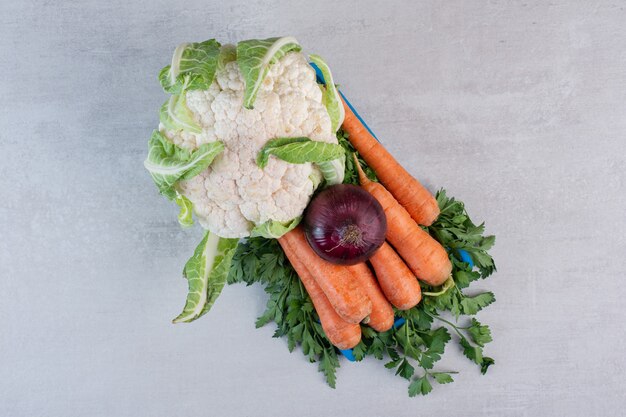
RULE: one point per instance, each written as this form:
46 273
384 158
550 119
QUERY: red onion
344 224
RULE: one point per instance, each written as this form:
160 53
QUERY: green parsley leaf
393 364
472 305
480 334
464 278
328 366
487 362
473 353
359 351
377 348
443 377
420 386
405 370
435 341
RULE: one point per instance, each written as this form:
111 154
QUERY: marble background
517 108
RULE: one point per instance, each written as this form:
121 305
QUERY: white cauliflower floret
234 194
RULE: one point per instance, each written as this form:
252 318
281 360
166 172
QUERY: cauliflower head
233 194
245 137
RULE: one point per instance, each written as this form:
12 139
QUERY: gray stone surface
518 109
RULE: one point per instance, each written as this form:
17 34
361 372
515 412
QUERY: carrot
426 258
342 334
343 292
412 195
395 278
381 317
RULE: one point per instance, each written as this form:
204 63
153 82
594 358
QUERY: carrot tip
362 177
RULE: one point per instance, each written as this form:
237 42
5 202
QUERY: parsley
351 173
481 335
420 386
443 377
262 261
456 231
411 350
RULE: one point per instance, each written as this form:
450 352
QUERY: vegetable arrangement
357 257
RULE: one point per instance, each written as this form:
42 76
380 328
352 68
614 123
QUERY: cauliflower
233 194
244 139
246 135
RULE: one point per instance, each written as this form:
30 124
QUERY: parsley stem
446 286
449 206
406 331
455 327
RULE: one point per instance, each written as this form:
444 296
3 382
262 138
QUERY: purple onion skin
345 224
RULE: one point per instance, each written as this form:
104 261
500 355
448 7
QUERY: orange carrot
343 292
381 317
412 195
426 258
395 278
342 334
